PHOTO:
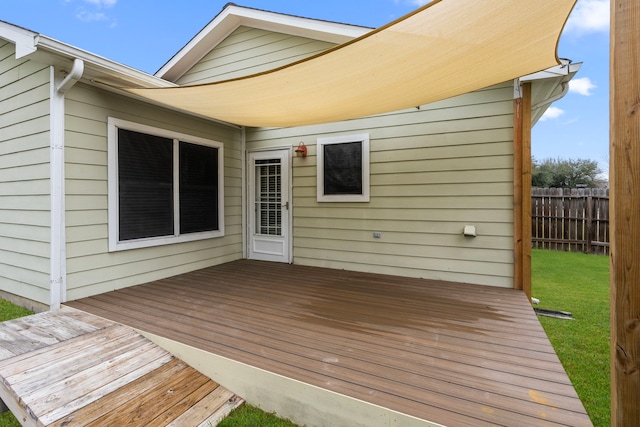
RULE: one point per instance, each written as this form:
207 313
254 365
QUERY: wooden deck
451 354
71 368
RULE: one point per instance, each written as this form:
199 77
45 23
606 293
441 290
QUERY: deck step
72 368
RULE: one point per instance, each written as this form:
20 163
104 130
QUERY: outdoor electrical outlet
377 235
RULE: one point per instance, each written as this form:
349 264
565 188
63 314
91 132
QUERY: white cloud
86 16
413 2
551 113
93 11
582 86
102 3
589 16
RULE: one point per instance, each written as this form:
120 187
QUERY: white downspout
58 258
245 225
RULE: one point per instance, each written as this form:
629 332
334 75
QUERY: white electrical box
469 230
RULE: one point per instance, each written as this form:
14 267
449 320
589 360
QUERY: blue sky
144 34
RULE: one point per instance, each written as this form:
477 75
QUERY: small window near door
343 168
164 187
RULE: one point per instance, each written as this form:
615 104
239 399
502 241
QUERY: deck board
449 353
73 368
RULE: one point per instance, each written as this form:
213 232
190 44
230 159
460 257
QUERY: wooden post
588 233
625 212
522 191
526 189
517 193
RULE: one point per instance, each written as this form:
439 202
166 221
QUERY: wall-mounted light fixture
301 150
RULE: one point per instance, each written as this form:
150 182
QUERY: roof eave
564 69
548 85
24 40
233 16
97 68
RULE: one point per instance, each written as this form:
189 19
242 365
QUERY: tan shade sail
446 48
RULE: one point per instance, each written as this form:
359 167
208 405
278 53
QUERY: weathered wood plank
169 410
69 360
19 411
159 399
5 353
111 402
205 408
65 414
80 369
96 381
38 331
81 316
139 402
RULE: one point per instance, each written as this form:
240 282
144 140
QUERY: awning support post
522 190
625 213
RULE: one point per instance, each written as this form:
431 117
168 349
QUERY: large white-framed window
343 168
165 187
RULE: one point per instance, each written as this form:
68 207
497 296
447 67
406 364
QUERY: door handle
286 205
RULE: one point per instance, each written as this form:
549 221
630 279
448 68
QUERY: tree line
565 173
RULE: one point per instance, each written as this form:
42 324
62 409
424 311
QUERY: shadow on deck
331 347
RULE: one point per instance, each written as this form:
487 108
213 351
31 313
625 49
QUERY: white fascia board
561 73
565 69
234 16
327 31
24 39
97 68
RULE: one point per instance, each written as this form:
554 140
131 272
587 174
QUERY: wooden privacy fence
570 219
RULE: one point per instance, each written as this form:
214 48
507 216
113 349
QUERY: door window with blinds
343 169
164 187
268 197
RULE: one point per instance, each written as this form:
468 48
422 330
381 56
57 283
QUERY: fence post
574 220
588 233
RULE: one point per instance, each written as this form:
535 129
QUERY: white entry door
269 205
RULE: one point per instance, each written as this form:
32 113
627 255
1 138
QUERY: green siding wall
91 269
24 176
433 171
248 51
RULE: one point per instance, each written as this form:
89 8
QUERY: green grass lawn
564 281
250 416
578 283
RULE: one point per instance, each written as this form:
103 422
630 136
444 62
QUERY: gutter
97 63
72 78
561 74
58 255
108 75
565 90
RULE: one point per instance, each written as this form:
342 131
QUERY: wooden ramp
72 368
